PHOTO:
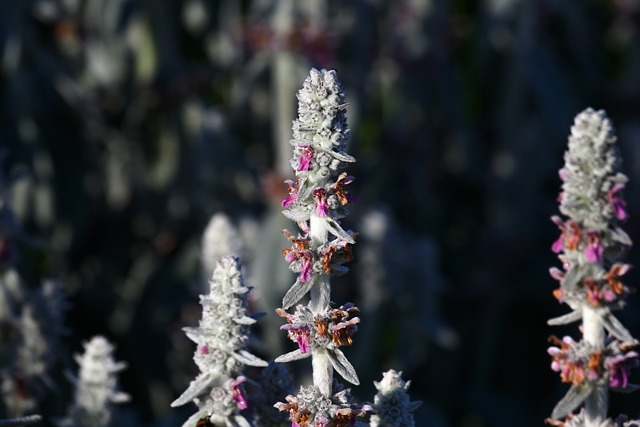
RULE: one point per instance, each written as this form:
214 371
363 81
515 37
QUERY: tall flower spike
96 387
590 281
317 200
391 404
221 354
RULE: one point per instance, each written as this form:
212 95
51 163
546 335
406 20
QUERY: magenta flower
236 392
305 158
619 367
617 203
593 250
322 208
293 193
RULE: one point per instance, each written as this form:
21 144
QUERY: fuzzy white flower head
96 386
591 175
391 404
320 136
221 238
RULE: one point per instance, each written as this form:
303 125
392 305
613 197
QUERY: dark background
128 124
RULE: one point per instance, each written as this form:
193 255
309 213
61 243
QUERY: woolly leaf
335 229
343 366
295 293
295 213
574 316
293 355
247 358
615 328
195 389
342 156
245 320
574 397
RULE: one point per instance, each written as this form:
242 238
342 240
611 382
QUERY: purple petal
593 252
305 273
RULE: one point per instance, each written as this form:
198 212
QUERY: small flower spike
391 404
96 386
221 354
589 246
310 407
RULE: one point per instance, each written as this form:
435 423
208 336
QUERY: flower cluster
589 245
320 136
310 407
392 406
96 387
580 362
322 333
220 354
329 330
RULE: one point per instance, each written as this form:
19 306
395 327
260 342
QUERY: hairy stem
596 405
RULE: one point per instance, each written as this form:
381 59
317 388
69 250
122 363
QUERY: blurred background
127 125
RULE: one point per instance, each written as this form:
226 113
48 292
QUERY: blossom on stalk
221 354
392 406
589 247
96 387
325 331
310 407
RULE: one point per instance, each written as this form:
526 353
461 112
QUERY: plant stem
596 405
319 303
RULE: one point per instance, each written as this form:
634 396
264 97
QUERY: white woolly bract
591 171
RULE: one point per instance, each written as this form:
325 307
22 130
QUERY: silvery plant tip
392 406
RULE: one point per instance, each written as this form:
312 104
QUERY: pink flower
305 158
293 193
619 367
593 250
617 203
322 208
236 392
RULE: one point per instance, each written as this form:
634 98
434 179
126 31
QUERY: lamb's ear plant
221 354
96 386
590 245
317 201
